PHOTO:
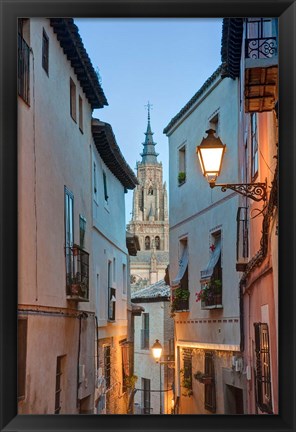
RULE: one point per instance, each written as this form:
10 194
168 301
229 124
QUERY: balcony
77 274
261 72
210 294
180 300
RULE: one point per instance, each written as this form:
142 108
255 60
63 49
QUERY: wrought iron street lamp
157 352
210 153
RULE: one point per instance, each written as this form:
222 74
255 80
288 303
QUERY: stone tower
149 217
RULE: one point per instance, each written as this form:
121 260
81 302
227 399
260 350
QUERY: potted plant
181 177
217 288
205 295
203 378
186 383
180 299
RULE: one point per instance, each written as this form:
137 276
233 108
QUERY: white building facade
203 255
58 287
155 382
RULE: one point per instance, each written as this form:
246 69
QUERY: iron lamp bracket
255 191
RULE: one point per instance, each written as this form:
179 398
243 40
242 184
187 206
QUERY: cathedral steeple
149 156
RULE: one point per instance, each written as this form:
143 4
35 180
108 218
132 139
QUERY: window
124 279
187 370
82 227
180 287
72 99
210 392
69 233
125 351
242 237
262 371
23 70
141 199
211 278
145 331
150 190
58 387
95 180
182 165
107 365
146 403
22 325
111 295
157 243
45 45
254 146
114 270
147 243
105 187
80 107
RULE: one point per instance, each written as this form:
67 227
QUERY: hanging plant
181 177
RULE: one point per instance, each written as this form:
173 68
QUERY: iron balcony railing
144 338
261 48
77 273
23 71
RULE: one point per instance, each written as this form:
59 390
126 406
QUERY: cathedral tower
150 216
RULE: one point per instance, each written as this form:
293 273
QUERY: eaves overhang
72 45
110 153
231 46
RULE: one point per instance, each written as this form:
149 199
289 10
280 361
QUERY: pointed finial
149 106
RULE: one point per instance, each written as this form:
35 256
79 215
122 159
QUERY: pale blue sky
161 60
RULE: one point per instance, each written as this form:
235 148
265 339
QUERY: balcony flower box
180 300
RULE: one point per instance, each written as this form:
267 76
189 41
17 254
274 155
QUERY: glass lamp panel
212 158
156 353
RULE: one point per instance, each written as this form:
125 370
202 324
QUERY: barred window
210 390
187 366
262 370
107 365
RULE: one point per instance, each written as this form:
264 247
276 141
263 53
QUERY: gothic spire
149 155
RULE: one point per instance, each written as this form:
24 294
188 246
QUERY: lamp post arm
255 191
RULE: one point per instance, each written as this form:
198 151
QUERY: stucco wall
145 366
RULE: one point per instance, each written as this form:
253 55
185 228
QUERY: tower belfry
150 213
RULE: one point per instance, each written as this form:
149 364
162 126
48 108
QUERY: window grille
187 367
107 365
262 370
210 391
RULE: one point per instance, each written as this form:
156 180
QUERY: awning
182 268
207 273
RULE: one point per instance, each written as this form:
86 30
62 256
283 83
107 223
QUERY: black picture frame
10 10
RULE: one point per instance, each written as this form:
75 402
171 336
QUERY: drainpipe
241 311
